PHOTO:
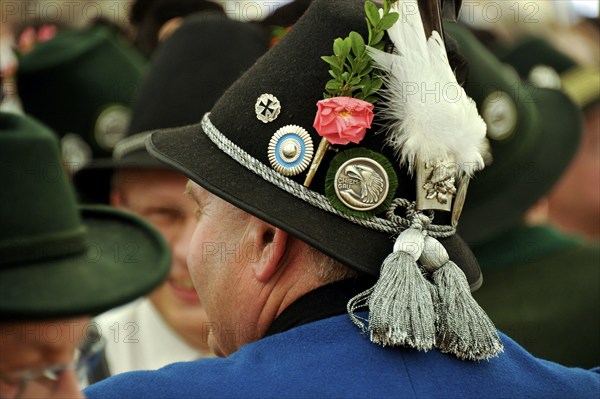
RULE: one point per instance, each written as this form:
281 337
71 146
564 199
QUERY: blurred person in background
540 286
59 265
573 204
189 71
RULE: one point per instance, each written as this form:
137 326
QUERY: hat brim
93 181
123 260
532 176
190 151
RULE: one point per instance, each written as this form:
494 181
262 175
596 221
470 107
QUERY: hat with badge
533 133
188 73
58 260
330 138
543 65
81 84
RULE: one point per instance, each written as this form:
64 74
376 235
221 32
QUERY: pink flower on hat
343 120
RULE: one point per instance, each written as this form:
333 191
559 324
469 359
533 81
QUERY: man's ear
270 244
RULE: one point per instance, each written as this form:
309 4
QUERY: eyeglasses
40 383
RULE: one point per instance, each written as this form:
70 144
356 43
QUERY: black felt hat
533 133
359 203
287 14
56 259
295 75
187 75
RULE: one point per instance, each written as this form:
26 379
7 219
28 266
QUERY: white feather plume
430 117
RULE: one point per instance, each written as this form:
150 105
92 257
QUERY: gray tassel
462 326
401 309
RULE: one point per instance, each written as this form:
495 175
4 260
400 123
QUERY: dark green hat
542 64
57 260
81 84
188 73
533 134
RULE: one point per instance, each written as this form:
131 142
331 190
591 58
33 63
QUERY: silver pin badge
290 150
545 76
500 115
76 153
111 125
361 184
267 108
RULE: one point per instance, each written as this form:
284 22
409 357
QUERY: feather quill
429 115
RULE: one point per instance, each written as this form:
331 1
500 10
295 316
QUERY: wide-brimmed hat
359 203
294 74
187 75
81 84
533 134
58 260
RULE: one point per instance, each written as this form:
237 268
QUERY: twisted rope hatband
392 226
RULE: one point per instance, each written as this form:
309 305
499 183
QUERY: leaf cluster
351 66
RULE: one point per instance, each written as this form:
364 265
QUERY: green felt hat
57 260
533 134
81 84
545 66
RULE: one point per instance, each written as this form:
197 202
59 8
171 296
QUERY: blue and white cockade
290 150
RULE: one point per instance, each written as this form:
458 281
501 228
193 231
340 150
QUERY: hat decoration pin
422 298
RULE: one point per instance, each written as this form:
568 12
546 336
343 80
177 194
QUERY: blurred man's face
157 196
574 202
29 348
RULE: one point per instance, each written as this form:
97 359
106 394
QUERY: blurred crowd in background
535 232
569 26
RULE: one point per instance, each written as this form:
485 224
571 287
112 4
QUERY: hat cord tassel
401 304
406 309
462 326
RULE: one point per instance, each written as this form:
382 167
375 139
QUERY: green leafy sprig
351 66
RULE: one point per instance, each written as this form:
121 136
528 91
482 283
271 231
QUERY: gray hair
326 269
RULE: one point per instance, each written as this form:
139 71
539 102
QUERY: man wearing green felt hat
541 286
328 181
81 84
59 265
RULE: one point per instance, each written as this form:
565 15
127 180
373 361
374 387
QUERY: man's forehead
24 344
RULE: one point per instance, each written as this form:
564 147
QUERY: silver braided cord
415 216
392 225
